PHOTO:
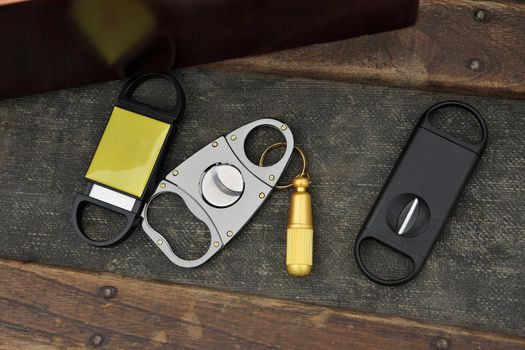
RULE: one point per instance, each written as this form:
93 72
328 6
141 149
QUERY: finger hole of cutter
156 92
457 122
188 237
100 224
259 139
384 262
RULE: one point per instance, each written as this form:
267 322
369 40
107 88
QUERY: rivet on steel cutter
300 232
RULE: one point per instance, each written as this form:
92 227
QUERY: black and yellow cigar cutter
122 173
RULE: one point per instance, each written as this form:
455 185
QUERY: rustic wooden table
458 47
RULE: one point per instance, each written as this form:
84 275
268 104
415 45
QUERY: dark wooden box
52 44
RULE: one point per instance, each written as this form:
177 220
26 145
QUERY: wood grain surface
43 307
452 47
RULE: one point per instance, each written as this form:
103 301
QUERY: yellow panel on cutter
127 152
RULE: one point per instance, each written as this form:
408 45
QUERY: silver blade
408 216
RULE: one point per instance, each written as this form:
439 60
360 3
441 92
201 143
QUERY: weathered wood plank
43 307
449 48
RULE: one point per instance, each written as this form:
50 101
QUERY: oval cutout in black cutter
426 182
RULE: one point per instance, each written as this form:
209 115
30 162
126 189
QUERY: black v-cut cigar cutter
124 169
413 206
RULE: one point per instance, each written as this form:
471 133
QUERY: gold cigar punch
299 232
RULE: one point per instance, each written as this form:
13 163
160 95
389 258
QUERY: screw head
441 344
214 144
160 241
162 185
262 195
229 233
216 244
175 172
97 340
233 137
284 127
475 64
481 15
108 292
271 177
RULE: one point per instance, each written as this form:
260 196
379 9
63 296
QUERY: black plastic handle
81 200
125 98
478 148
417 264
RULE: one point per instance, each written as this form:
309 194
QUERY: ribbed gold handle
300 232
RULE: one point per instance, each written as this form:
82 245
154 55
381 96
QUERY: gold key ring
296 148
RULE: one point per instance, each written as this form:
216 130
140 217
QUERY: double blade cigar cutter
221 187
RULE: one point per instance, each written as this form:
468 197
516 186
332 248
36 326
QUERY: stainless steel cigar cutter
221 187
